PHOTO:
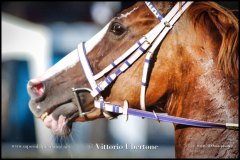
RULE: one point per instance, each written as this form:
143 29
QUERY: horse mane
227 25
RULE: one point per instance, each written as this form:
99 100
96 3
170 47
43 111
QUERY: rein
148 43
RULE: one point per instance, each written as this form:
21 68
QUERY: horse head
199 51
52 94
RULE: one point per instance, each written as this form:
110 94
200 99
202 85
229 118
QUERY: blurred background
35 35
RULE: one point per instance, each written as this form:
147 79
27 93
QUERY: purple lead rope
177 120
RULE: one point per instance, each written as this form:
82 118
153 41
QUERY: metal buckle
146 39
79 104
167 24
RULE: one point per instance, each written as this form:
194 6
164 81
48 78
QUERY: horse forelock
227 25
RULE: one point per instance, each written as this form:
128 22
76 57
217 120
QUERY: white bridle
149 42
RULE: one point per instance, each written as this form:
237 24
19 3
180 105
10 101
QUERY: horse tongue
67 110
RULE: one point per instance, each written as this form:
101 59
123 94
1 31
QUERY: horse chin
60 120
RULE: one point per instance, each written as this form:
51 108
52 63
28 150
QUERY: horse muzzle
59 115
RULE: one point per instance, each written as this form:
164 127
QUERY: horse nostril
39 89
36 89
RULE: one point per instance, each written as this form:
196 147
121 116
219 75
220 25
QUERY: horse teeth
44 115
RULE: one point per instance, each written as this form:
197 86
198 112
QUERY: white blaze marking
127 14
65 63
90 44
71 59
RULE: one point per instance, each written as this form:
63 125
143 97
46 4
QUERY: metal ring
79 106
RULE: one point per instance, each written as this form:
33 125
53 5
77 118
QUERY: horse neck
209 97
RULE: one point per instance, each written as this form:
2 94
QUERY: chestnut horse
193 74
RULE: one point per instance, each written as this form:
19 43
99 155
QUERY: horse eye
117 29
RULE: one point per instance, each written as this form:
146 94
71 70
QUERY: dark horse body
194 75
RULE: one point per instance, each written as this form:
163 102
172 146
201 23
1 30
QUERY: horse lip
47 112
60 127
55 115
53 108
